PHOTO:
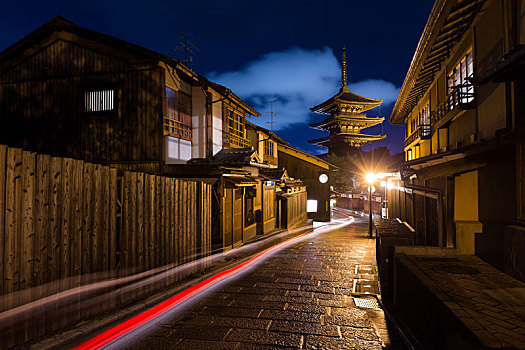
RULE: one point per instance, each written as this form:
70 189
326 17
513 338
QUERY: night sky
287 51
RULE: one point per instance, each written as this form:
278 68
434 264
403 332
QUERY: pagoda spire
343 73
346 118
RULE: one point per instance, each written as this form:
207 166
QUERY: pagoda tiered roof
353 140
345 120
347 100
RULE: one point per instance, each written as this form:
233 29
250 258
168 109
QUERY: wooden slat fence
57 220
165 221
65 223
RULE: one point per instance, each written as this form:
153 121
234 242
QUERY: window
236 130
311 206
268 147
99 100
235 124
177 121
459 87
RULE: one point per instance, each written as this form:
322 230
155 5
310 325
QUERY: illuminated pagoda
346 119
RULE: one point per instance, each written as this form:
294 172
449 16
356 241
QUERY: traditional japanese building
346 119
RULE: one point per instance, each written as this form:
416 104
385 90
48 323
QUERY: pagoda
346 119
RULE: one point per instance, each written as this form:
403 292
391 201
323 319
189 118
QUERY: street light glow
370 177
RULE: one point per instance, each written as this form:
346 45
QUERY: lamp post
370 178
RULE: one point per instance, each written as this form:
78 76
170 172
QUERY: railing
177 128
423 131
460 97
236 141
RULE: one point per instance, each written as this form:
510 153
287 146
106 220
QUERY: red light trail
128 326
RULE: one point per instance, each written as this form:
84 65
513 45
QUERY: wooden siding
295 211
309 174
42 105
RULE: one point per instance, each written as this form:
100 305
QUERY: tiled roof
223 90
234 156
269 132
345 96
274 174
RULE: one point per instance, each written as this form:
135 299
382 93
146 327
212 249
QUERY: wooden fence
295 212
65 223
422 210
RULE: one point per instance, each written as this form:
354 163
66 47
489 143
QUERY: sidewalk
454 301
302 296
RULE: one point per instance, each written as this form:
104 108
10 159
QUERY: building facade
462 107
70 91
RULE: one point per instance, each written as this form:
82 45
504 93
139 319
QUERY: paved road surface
300 297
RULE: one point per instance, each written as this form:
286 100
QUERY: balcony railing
176 128
236 141
423 132
461 97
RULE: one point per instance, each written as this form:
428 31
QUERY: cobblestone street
300 297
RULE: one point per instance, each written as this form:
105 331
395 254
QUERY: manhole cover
460 270
366 303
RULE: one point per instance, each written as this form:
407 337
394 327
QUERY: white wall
217 126
178 151
198 120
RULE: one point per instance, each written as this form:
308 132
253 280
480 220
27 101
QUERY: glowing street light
370 178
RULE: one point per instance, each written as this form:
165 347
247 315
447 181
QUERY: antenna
271 113
187 47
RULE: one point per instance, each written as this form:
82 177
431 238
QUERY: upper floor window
177 121
422 118
235 123
268 147
458 84
99 100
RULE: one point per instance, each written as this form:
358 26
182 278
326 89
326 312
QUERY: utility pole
187 47
271 113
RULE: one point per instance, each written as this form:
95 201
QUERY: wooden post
3 251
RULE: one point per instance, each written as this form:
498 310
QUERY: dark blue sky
284 50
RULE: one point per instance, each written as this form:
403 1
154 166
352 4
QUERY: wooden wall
295 212
309 174
42 104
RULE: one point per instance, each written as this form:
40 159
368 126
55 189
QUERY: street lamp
370 178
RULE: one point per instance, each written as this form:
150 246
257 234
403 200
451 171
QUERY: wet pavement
302 296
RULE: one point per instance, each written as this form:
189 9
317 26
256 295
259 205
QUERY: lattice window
236 130
235 123
268 147
177 121
99 100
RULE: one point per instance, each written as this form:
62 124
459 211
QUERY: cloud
298 79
